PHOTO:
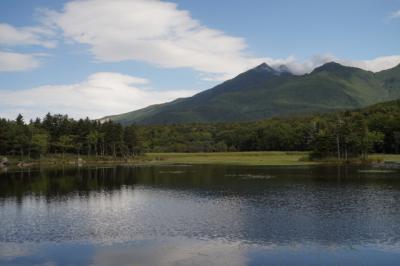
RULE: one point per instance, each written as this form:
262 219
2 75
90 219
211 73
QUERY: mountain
264 92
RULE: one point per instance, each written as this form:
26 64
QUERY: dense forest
60 134
341 135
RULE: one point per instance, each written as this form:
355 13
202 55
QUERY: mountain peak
264 67
271 91
276 71
330 66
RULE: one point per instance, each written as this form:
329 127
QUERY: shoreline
268 158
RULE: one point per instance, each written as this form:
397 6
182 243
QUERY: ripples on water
201 215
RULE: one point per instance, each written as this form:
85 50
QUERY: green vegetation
263 92
275 158
258 93
58 159
376 171
58 134
385 157
237 158
340 136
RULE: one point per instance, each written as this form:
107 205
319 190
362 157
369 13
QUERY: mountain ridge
265 92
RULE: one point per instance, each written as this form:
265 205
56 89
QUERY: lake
199 215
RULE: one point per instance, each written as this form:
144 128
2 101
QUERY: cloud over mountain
159 33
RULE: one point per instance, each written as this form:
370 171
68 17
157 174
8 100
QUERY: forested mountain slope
264 92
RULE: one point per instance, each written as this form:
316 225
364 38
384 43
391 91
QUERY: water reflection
198 215
182 251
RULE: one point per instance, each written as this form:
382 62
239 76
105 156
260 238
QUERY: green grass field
250 158
239 158
385 157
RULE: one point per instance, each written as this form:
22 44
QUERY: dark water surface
200 215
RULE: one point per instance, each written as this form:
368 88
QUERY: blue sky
97 57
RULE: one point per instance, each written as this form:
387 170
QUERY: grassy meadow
278 158
382 157
252 158
238 158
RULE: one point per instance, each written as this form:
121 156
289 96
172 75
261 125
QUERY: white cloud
107 93
10 61
159 33
11 36
374 65
301 67
100 94
151 31
395 15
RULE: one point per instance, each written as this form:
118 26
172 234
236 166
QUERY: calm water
199 215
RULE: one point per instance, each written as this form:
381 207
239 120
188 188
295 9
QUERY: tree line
59 134
341 135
